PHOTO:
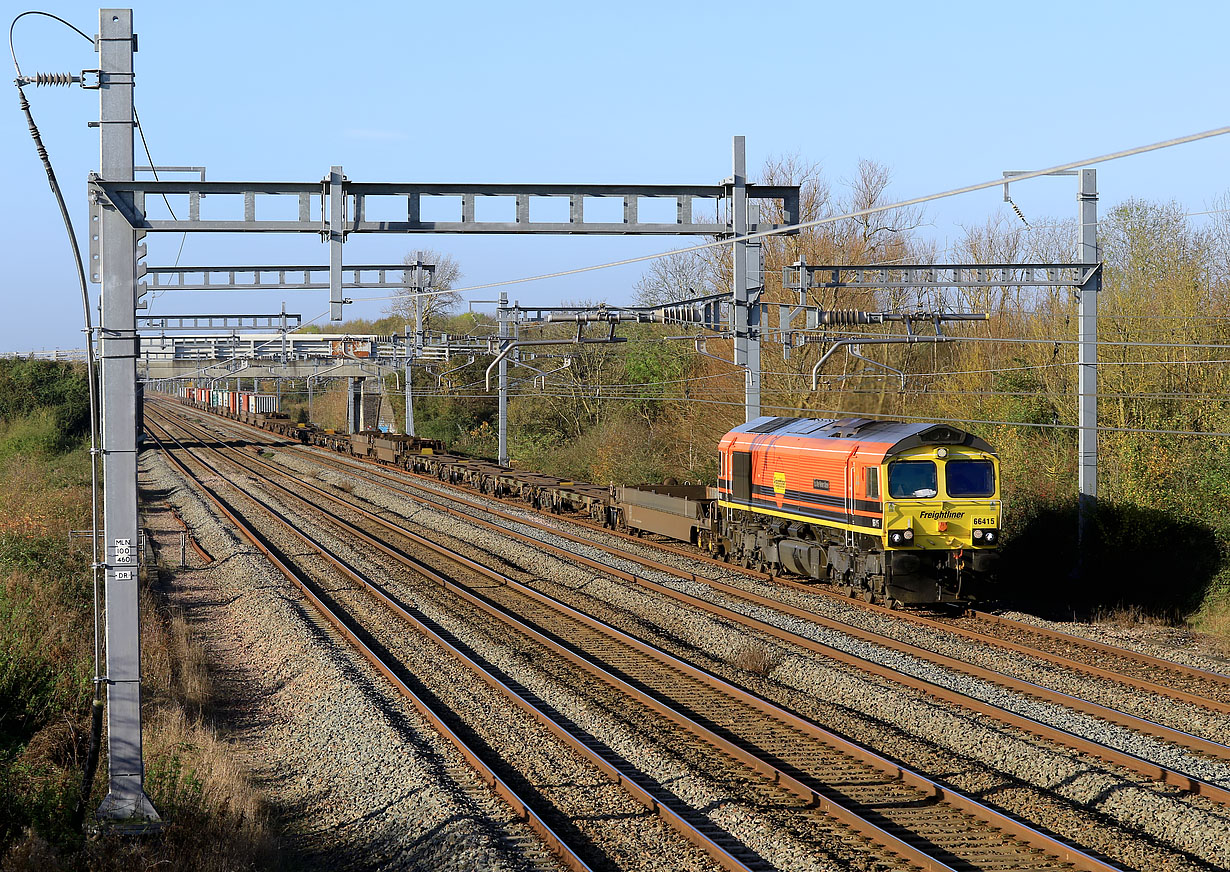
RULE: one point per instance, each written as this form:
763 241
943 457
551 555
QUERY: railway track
1142 672
774 743
1149 674
335 619
1132 762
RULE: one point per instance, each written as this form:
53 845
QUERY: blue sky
945 94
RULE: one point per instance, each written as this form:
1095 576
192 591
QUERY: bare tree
437 301
678 276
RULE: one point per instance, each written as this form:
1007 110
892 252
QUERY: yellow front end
942 498
941 520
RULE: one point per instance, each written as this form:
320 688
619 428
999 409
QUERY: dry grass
1134 616
755 658
192 774
215 820
1214 619
214 817
176 670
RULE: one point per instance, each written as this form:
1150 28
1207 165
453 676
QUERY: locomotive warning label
779 483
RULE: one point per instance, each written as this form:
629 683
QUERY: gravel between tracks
1189 825
621 833
1170 643
356 777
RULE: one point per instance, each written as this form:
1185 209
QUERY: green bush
53 398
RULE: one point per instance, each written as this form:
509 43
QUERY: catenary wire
846 414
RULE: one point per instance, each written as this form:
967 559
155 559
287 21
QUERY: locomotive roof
900 435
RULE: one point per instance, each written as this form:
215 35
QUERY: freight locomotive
895 512
908 512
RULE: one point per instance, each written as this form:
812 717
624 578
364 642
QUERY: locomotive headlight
990 537
977 534
909 534
941 452
896 537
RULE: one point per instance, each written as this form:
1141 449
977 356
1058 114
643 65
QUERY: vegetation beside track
214 818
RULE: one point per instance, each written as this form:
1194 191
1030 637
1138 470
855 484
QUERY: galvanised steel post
126 799
417 286
409 427
502 317
1087 355
746 317
357 400
337 209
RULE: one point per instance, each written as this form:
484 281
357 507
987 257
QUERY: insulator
844 316
50 79
679 315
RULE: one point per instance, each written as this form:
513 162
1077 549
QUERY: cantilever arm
897 340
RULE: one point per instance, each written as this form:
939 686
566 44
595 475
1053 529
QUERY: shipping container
264 403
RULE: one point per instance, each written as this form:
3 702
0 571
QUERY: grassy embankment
214 819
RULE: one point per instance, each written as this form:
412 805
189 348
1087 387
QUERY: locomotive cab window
912 479
873 483
970 478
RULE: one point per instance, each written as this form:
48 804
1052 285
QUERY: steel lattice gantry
334 208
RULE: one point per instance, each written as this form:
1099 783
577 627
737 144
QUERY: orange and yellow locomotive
906 513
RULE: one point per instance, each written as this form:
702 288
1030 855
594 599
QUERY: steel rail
836 810
628 782
1052 846
1101 647
524 811
920 620
1114 756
